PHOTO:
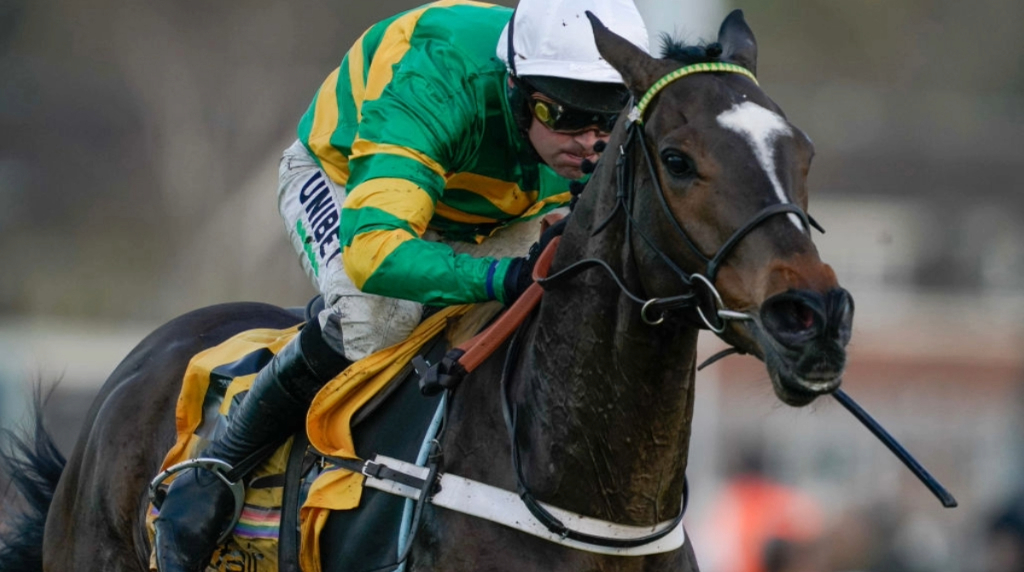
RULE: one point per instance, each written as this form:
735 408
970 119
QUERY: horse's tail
34 465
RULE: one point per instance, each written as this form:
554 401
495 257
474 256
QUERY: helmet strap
518 93
511 50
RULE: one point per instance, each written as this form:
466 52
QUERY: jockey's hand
520 271
517 279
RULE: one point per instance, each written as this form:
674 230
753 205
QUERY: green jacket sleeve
419 130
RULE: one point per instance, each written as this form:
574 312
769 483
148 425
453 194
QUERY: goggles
570 120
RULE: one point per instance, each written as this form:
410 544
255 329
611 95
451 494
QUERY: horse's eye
678 164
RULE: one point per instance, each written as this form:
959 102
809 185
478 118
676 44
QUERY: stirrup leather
218 468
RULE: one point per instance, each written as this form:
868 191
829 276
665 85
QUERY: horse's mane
686 54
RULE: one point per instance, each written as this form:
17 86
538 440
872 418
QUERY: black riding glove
520 271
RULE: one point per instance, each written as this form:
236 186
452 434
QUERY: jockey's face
565 152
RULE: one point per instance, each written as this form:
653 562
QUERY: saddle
374 404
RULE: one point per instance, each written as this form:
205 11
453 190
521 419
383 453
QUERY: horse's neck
605 401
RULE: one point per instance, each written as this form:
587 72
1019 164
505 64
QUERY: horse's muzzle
809 331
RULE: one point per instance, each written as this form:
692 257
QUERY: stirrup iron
215 466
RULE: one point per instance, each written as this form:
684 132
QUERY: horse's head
718 179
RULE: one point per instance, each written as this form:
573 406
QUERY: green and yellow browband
637 113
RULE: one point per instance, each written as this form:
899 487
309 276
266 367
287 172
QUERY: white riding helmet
554 39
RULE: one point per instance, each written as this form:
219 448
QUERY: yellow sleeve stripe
448 3
355 75
336 167
393 46
368 251
504 195
325 121
456 215
399 198
559 199
362 148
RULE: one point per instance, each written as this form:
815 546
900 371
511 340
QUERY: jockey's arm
404 148
383 222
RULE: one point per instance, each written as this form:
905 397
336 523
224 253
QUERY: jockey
442 128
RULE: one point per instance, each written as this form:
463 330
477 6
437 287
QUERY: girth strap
505 507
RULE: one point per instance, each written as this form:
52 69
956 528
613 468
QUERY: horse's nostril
803 316
792 316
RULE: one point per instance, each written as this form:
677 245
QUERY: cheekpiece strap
637 113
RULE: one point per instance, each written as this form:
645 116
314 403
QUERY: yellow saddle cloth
253 544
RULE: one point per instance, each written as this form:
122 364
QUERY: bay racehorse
695 218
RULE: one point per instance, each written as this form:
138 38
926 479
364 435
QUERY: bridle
699 293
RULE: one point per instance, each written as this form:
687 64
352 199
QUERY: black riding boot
199 505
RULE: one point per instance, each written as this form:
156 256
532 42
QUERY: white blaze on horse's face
761 127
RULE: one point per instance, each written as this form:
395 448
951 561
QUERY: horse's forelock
687 54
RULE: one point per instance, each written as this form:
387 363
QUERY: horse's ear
638 69
738 43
